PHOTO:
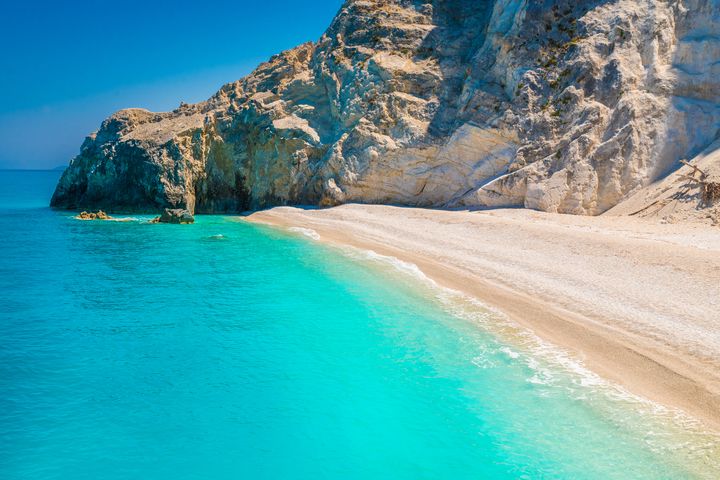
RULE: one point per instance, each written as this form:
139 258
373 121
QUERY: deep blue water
224 350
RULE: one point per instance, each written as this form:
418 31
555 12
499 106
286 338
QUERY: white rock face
557 105
690 194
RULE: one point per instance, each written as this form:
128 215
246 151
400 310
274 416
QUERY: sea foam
555 368
308 232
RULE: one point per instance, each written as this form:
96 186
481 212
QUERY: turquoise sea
225 350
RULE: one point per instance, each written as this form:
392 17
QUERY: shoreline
655 365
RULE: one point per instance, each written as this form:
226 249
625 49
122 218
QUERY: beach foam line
394 262
308 232
508 325
551 368
551 365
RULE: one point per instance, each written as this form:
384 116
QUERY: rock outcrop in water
175 215
556 105
99 215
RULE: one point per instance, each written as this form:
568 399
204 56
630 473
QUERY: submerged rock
560 105
176 215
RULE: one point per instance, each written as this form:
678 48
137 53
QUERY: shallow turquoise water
132 350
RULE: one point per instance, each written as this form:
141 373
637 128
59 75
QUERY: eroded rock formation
99 215
175 215
555 105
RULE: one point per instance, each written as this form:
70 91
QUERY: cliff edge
554 105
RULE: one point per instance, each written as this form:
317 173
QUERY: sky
65 66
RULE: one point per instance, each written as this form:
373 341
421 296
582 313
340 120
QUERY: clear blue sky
65 66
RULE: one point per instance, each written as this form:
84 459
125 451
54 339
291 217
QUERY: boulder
99 215
175 215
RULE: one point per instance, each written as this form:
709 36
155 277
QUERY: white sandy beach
638 302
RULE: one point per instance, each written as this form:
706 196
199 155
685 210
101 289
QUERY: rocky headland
554 105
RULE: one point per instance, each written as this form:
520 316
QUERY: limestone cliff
555 105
